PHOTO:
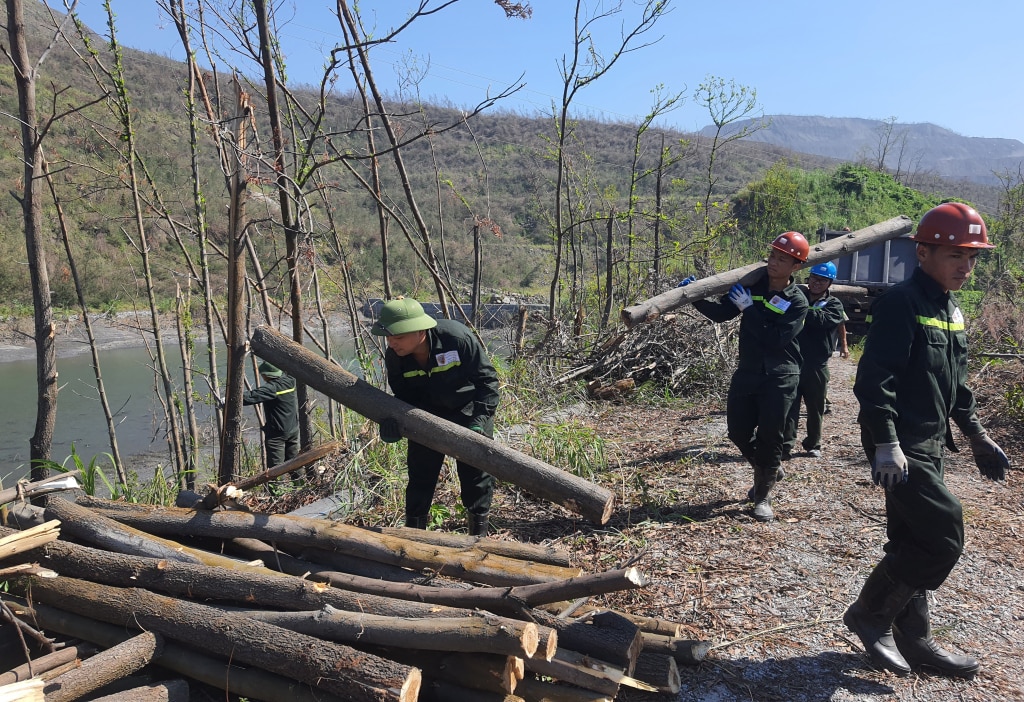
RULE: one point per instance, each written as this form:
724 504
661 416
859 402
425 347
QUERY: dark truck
863 275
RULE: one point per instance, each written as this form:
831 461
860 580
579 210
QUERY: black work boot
764 481
870 617
478 525
912 632
416 522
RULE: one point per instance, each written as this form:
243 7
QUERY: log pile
152 600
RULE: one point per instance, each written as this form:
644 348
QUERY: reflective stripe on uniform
767 304
940 324
436 369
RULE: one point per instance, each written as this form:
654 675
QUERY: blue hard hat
825 270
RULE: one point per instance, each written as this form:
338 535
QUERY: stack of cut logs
148 600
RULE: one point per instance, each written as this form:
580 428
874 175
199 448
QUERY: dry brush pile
279 607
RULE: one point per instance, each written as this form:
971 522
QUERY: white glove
740 297
890 465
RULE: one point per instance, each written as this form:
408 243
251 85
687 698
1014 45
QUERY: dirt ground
770 597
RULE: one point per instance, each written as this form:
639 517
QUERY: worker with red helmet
911 382
818 342
768 370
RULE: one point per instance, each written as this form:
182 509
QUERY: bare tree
727 103
31 201
586 64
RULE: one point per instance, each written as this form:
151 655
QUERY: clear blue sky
954 64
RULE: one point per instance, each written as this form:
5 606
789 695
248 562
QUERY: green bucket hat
269 370
402 316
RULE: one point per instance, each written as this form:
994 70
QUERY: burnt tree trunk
593 502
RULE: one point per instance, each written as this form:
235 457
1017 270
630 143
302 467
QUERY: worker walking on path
281 413
439 366
768 370
911 382
817 344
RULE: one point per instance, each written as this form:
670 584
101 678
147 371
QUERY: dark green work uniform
281 417
911 381
768 370
458 384
818 342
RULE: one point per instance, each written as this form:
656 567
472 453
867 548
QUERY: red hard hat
953 224
792 243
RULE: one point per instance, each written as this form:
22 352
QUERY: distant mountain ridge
925 148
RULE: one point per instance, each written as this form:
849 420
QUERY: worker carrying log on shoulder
441 367
765 381
818 342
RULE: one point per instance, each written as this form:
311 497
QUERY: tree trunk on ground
513 549
479 671
38 666
677 297
167 691
593 502
606 636
338 669
443 691
464 564
220 674
104 668
532 689
88 525
658 670
685 651
475 634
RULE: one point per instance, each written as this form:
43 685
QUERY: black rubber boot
871 617
416 522
478 525
912 632
764 481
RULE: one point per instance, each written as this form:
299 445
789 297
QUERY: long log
651 309
42 664
24 691
474 634
105 667
530 688
54 483
444 691
166 691
464 564
537 553
592 502
335 668
88 525
479 671
185 579
243 681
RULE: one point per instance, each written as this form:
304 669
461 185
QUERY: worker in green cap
281 413
441 367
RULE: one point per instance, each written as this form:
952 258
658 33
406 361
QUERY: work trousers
424 466
811 392
925 521
280 447
757 407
